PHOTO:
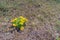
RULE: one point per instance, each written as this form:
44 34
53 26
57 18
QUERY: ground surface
43 19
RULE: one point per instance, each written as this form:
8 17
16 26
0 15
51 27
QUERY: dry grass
42 16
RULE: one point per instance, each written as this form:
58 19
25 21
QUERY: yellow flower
14 20
14 24
20 20
21 23
21 17
22 28
26 20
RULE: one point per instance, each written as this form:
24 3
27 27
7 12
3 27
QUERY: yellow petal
21 16
22 21
14 24
15 19
26 20
22 28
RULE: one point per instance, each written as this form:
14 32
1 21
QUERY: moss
57 1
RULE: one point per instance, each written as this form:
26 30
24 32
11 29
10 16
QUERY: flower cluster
19 22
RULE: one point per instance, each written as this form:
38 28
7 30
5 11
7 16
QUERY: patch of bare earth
41 20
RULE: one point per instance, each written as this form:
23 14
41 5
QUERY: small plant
57 25
57 38
19 22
